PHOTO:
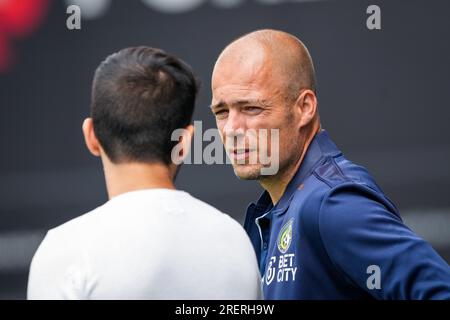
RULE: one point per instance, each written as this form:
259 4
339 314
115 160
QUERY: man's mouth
239 154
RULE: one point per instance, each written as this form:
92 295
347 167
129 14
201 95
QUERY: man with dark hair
139 97
149 241
322 229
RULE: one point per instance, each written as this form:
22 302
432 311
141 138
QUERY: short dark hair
140 95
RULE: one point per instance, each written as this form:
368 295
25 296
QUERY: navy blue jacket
335 235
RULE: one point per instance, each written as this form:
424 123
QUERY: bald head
277 54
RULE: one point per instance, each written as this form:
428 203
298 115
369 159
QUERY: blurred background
383 97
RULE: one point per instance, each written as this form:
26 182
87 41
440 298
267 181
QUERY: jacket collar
321 147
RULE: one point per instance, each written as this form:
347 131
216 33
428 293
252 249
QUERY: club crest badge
285 236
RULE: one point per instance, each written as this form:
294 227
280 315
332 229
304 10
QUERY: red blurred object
18 19
4 53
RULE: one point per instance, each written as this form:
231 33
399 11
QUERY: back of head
140 95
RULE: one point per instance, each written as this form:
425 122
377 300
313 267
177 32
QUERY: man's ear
190 133
186 140
307 107
89 137
181 149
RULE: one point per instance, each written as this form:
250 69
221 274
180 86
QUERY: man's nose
234 127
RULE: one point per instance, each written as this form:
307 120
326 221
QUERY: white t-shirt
147 244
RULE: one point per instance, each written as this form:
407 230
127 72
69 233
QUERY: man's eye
220 113
252 109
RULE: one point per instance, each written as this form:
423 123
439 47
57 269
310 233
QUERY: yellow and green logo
285 236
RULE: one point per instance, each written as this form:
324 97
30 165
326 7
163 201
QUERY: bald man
322 229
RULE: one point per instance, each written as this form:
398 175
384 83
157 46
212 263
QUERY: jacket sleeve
374 250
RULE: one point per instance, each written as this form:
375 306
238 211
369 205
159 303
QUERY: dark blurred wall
383 97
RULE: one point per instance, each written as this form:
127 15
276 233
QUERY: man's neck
127 177
276 185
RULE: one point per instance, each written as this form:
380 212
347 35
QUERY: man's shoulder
340 179
77 225
334 173
60 260
213 215
62 245
65 240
